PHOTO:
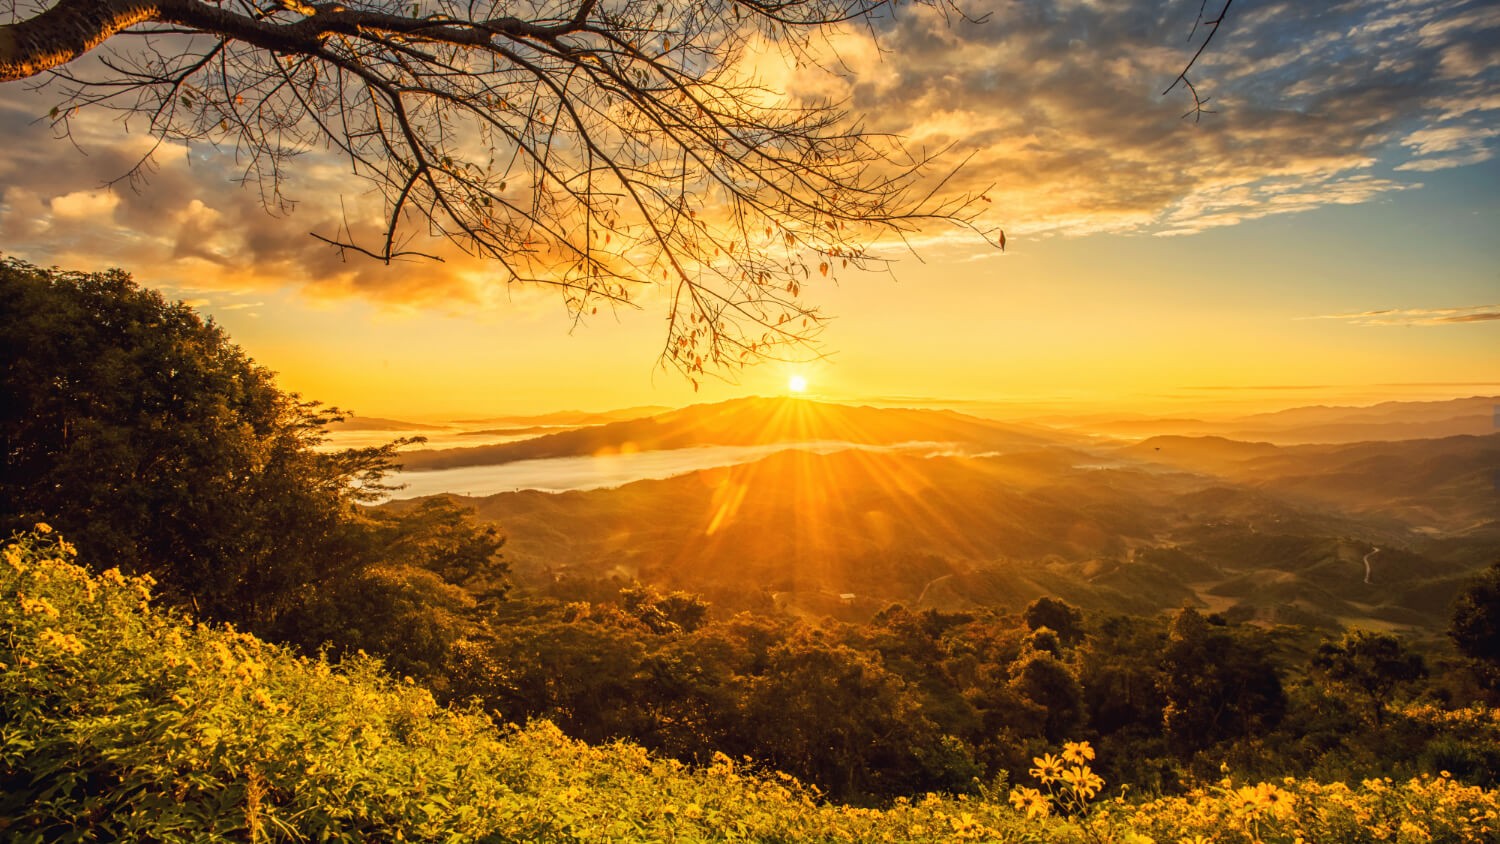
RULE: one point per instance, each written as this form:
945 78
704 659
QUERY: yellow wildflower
1077 752
1245 797
249 670
1278 802
43 527
1083 781
225 658
1048 767
35 606
65 642
1030 801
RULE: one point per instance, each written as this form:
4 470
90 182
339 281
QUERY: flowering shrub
119 721
1422 809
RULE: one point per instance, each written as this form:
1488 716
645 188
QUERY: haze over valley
820 508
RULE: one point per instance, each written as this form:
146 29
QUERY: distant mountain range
1446 484
1381 534
1397 420
750 421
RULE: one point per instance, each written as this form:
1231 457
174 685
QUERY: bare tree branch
1198 109
604 147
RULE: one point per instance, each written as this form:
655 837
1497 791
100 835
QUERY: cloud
1418 316
1058 103
189 225
1317 104
94 206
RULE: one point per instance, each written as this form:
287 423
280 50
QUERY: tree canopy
1476 623
149 439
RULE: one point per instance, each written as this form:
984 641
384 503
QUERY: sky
1328 235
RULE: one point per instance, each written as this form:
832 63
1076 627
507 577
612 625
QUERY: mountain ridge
747 421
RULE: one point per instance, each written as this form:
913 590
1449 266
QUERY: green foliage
119 721
974 695
146 435
141 431
1217 685
1051 690
675 612
836 717
1476 624
1062 618
441 537
1374 665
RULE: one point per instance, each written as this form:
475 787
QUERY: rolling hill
1275 535
751 421
1447 485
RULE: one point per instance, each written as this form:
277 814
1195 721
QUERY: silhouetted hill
752 421
873 523
376 423
1384 412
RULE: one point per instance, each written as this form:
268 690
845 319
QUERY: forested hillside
125 722
1258 537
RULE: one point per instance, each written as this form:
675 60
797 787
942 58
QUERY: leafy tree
836 717
441 537
1217 685
1121 675
583 676
1374 665
1045 682
409 615
1064 619
152 441
674 612
1476 623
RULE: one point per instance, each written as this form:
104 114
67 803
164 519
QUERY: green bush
121 721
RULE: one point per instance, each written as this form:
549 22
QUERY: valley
972 513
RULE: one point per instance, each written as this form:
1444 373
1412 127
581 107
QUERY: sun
797 384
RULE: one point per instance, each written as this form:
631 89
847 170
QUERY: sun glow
797 384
